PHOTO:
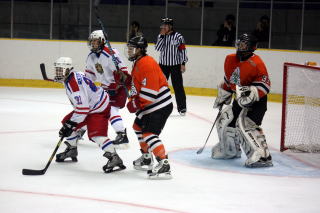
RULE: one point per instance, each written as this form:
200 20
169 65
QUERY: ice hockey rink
30 120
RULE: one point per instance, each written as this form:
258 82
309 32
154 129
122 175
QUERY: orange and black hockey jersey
151 86
251 72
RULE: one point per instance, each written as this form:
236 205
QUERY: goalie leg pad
229 145
253 142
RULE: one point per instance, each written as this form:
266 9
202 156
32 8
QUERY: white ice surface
29 124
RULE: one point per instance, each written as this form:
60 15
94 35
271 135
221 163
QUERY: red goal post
300 124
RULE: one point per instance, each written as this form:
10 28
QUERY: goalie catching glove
224 97
246 95
67 128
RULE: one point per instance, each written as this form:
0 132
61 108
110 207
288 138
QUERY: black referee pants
177 84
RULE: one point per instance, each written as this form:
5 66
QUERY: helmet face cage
130 52
135 43
246 43
242 45
62 67
96 41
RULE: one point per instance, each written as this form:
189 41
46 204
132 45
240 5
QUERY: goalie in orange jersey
239 124
152 103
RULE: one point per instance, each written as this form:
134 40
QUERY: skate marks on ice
283 165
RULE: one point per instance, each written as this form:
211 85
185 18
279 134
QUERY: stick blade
199 151
32 172
43 72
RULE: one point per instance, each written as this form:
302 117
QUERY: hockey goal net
300 128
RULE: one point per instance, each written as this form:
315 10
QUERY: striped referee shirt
172 49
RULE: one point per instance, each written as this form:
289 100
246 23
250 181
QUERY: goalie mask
246 45
96 41
62 67
137 46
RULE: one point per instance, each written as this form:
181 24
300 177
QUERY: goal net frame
286 69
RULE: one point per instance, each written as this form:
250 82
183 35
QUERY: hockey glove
133 105
224 97
67 128
112 89
122 77
246 95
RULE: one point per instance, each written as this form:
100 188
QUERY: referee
173 58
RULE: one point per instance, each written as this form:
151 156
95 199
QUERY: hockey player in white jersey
100 67
91 109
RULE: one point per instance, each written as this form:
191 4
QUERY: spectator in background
227 32
134 30
262 32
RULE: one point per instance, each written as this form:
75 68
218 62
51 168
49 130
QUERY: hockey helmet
138 42
246 45
62 67
96 41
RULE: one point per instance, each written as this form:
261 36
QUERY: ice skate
263 162
161 171
183 112
70 152
121 141
144 163
114 163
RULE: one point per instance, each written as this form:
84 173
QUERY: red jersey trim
89 71
73 84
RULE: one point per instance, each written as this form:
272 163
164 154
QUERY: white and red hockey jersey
101 68
85 97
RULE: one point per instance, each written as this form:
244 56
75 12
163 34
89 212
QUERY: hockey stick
43 72
214 123
96 4
42 171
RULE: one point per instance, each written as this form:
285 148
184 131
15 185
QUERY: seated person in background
262 32
227 32
134 30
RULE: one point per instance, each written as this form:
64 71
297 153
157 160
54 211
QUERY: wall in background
20 59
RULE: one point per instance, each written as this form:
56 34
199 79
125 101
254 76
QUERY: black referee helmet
167 20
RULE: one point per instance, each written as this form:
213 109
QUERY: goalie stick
42 171
214 123
43 72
